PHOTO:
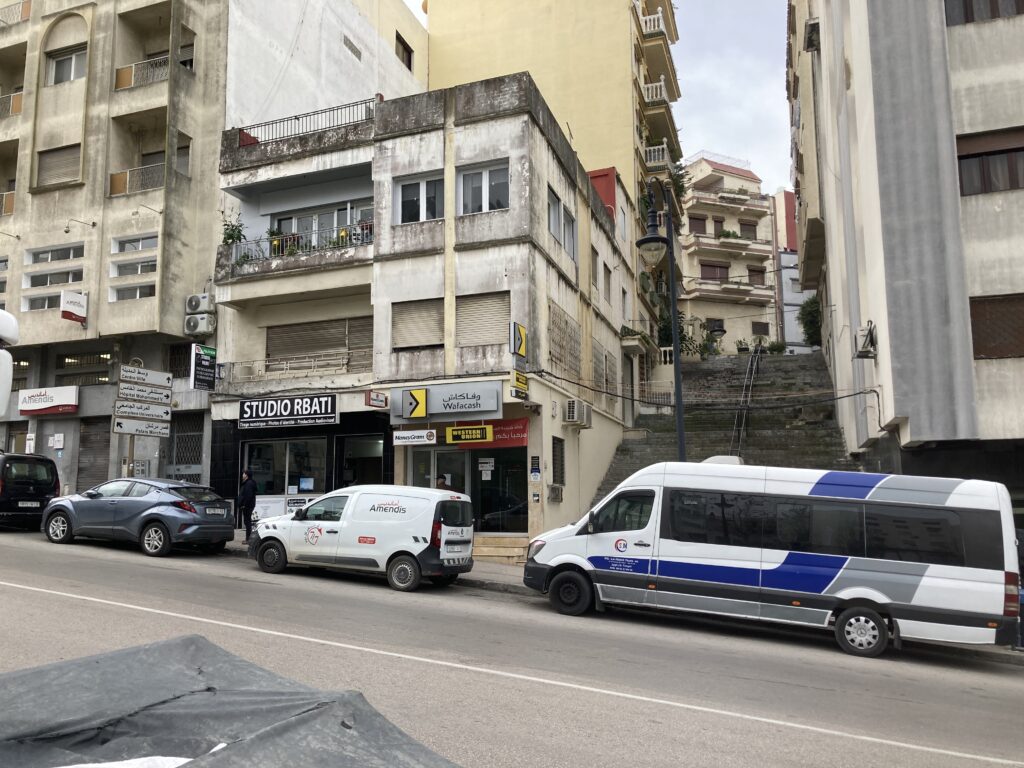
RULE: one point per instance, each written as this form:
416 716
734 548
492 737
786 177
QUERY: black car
27 484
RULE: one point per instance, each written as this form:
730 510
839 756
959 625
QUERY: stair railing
739 426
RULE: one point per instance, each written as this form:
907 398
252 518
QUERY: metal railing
311 122
298 244
10 105
137 179
755 199
654 24
340 361
6 203
714 157
142 73
657 156
654 92
739 425
12 14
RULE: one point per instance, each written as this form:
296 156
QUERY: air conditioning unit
199 303
578 413
200 325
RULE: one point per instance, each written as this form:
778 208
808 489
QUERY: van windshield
29 472
457 514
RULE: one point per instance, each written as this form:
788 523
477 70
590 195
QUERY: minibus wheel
570 593
862 632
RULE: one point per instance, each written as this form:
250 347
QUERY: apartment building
911 195
727 256
110 121
789 292
452 309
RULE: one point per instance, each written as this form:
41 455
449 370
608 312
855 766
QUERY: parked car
154 513
27 484
403 532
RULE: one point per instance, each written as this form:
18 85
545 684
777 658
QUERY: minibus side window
919 535
627 512
822 527
712 518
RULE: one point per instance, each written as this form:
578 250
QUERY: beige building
727 253
110 122
911 216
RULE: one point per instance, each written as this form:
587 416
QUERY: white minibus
875 557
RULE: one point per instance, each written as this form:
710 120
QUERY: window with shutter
482 319
349 340
58 166
417 324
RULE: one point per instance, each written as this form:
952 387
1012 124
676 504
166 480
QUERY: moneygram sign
298 411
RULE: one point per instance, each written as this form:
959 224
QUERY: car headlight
535 547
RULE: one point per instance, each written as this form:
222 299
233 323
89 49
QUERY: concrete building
911 216
727 256
789 293
110 121
466 247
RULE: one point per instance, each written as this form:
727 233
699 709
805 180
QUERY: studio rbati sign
297 411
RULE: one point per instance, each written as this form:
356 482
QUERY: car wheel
155 540
570 593
215 548
271 557
58 528
862 632
444 581
404 573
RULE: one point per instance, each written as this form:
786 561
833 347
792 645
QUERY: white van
401 531
874 557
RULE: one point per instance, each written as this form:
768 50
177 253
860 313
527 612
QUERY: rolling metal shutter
482 319
307 338
57 166
417 324
360 344
93 453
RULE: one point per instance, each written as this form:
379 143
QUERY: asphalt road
489 679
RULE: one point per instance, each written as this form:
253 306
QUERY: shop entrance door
428 464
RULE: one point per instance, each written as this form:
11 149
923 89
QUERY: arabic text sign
141 410
128 391
447 402
126 426
145 376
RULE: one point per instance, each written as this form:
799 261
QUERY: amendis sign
301 410
47 401
482 433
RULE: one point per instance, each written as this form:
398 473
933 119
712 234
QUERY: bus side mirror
590 522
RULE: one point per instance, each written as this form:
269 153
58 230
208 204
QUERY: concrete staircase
787 434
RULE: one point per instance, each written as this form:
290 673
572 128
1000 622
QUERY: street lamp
652 247
717 333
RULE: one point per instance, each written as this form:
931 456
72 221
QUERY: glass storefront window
282 467
363 461
307 463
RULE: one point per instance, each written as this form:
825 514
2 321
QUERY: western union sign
483 433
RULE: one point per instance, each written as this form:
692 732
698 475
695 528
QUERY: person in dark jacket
246 502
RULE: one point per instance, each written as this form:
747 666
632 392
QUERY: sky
731 64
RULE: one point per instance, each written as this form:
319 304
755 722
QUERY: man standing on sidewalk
246 502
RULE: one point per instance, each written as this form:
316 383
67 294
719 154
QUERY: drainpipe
780 320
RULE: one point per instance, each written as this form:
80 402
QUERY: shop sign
203 370
49 400
520 386
296 411
518 340
481 433
415 437
376 399
507 433
447 402
73 306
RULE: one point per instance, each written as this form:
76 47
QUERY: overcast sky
731 62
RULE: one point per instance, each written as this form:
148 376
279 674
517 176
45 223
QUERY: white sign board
129 391
125 426
145 376
48 401
73 306
139 410
415 437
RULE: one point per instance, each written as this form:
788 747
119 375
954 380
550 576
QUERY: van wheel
571 594
444 581
404 573
271 557
155 540
862 632
58 528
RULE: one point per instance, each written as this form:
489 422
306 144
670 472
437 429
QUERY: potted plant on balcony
274 237
742 347
729 234
234 230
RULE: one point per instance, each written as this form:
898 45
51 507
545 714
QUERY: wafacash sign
297 411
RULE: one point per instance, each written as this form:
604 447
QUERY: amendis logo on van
367 539
394 507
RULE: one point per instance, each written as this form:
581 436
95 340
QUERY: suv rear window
29 471
457 514
195 494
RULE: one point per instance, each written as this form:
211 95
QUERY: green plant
234 230
810 320
742 344
729 233
776 347
291 250
688 345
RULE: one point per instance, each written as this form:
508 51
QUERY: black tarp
183 698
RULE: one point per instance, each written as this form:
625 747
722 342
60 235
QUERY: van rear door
452 530
28 483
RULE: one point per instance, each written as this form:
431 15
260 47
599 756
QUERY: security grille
93 453
611 376
597 379
997 326
185 452
180 362
564 349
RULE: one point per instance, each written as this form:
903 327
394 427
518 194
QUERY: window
83 360
179 360
482 319
607 284
557 461
717 272
187 57
125 269
627 512
992 172
759 328
997 326
719 225
403 51
554 215
595 267
132 244
329 510
40 280
417 324
622 223
794 285
421 200
698 225
569 233
279 466
713 518
968 11
748 230
822 527
484 190
3 286
59 166
755 276
134 292
915 535
715 324
43 302
58 254
4 263
625 306
64 66
82 379
343 344
115 489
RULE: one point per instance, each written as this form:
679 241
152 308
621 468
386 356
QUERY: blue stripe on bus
801 572
846 485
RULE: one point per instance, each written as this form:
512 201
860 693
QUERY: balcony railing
6 203
655 92
323 363
739 197
652 25
300 244
142 73
10 105
15 12
311 122
137 179
657 156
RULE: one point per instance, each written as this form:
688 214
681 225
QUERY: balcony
736 200
6 204
655 93
318 249
15 12
10 105
657 157
732 291
653 24
253 377
298 136
739 247
655 41
137 179
142 73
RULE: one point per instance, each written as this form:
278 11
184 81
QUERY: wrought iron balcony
137 179
249 256
311 122
10 105
141 73
15 12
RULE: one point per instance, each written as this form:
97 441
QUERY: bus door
620 545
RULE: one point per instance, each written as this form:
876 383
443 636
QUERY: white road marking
526 678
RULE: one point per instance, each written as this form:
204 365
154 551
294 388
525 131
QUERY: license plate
215 512
28 503
450 548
